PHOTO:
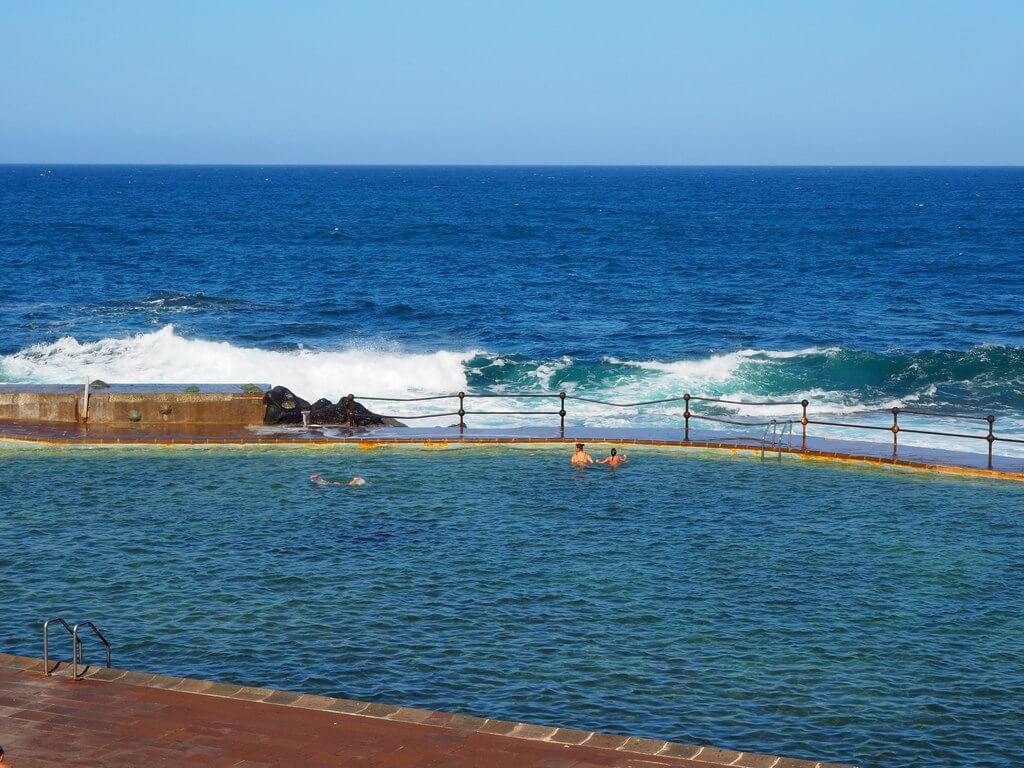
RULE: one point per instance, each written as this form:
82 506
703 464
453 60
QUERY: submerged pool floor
859 616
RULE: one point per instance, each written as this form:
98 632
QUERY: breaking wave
837 381
163 356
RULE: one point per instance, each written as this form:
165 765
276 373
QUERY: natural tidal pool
839 613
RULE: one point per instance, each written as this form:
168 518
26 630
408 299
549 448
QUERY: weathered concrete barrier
133 404
176 408
39 406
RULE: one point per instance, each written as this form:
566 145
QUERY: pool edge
413 716
434 442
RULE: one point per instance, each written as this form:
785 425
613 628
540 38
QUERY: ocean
860 289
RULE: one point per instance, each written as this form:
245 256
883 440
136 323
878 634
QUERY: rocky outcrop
284 407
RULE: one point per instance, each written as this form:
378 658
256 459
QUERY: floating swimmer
581 458
355 481
614 459
320 481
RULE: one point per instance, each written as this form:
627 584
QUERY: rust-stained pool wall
39 406
118 407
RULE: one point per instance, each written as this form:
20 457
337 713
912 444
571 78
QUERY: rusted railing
688 401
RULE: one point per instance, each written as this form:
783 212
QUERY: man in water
614 460
581 458
356 481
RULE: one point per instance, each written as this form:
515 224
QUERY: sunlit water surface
838 613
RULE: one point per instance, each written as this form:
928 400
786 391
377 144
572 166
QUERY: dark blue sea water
908 277
635 263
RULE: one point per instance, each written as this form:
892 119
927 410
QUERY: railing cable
687 399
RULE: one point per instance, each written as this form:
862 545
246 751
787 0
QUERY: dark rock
364 417
99 384
283 407
323 411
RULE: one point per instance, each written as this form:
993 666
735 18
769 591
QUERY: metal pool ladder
76 644
774 435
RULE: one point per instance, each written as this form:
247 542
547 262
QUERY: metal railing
76 644
896 428
46 642
689 401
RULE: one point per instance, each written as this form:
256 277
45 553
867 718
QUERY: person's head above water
579 446
614 452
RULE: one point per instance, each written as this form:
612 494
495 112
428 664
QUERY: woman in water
581 458
614 459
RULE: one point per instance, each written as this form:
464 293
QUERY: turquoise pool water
832 612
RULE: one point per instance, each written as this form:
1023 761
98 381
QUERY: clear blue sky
513 81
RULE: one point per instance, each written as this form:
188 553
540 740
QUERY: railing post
462 411
686 417
561 414
895 429
349 410
803 424
991 437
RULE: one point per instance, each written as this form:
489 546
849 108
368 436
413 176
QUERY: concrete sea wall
123 406
39 406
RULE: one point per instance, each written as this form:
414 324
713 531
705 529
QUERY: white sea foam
716 368
164 356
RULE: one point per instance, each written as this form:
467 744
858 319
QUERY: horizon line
505 165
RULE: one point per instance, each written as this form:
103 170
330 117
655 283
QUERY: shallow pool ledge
124 708
911 457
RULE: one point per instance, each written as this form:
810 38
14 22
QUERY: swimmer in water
355 481
320 481
614 460
581 458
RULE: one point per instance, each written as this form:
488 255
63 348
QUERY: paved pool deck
118 718
875 453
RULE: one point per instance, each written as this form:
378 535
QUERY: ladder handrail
774 435
78 644
769 435
46 641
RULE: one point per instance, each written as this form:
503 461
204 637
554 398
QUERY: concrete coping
464 723
370 443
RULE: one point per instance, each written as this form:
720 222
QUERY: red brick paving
55 721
